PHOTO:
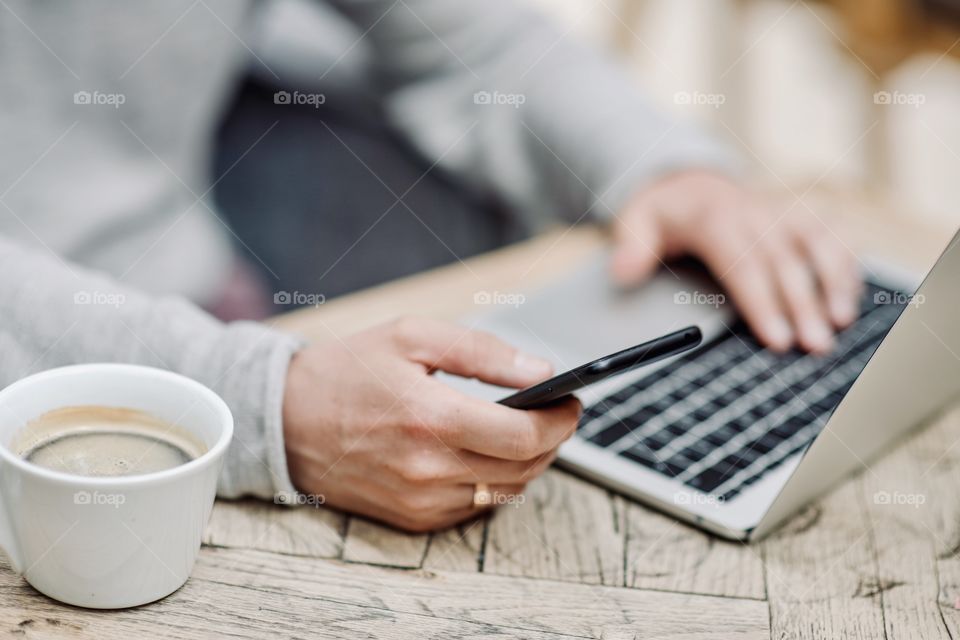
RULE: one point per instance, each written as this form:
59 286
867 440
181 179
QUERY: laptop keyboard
719 418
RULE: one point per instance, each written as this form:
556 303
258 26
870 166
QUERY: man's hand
791 279
370 429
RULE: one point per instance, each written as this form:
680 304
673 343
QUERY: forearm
57 314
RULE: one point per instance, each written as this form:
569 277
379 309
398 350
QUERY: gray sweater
108 240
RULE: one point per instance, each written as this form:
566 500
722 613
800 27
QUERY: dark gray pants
317 216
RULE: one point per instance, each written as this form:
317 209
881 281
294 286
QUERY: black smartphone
608 366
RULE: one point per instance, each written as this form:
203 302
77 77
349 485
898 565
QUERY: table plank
902 504
663 553
252 524
566 529
943 465
369 542
457 548
252 594
820 571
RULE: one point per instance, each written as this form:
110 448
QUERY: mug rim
61 477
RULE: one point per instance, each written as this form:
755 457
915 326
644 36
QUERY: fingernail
843 310
779 333
532 365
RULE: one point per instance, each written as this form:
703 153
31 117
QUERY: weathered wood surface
876 558
256 594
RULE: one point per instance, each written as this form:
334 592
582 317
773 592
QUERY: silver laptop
731 437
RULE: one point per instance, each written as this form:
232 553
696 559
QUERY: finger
476 467
494 430
799 293
471 354
733 255
837 273
638 246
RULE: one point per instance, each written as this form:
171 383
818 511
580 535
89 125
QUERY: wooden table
574 560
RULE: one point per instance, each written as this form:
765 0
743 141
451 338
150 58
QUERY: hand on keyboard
719 418
788 274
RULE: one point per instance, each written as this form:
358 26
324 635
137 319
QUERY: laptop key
727 414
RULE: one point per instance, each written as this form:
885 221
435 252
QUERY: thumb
475 354
637 247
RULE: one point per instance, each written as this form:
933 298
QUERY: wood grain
372 543
566 529
556 565
253 524
458 548
662 553
821 572
904 506
252 594
938 460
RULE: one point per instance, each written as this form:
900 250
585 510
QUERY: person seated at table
476 124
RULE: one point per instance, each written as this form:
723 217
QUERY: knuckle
424 470
415 426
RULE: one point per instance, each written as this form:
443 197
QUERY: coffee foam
105 441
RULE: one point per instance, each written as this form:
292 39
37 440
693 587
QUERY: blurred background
858 96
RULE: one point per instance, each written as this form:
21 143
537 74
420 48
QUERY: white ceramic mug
109 542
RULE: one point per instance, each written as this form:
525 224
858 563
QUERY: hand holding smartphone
606 367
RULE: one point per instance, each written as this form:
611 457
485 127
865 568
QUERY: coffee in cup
98 441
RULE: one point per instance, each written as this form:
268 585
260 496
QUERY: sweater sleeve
55 313
494 92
